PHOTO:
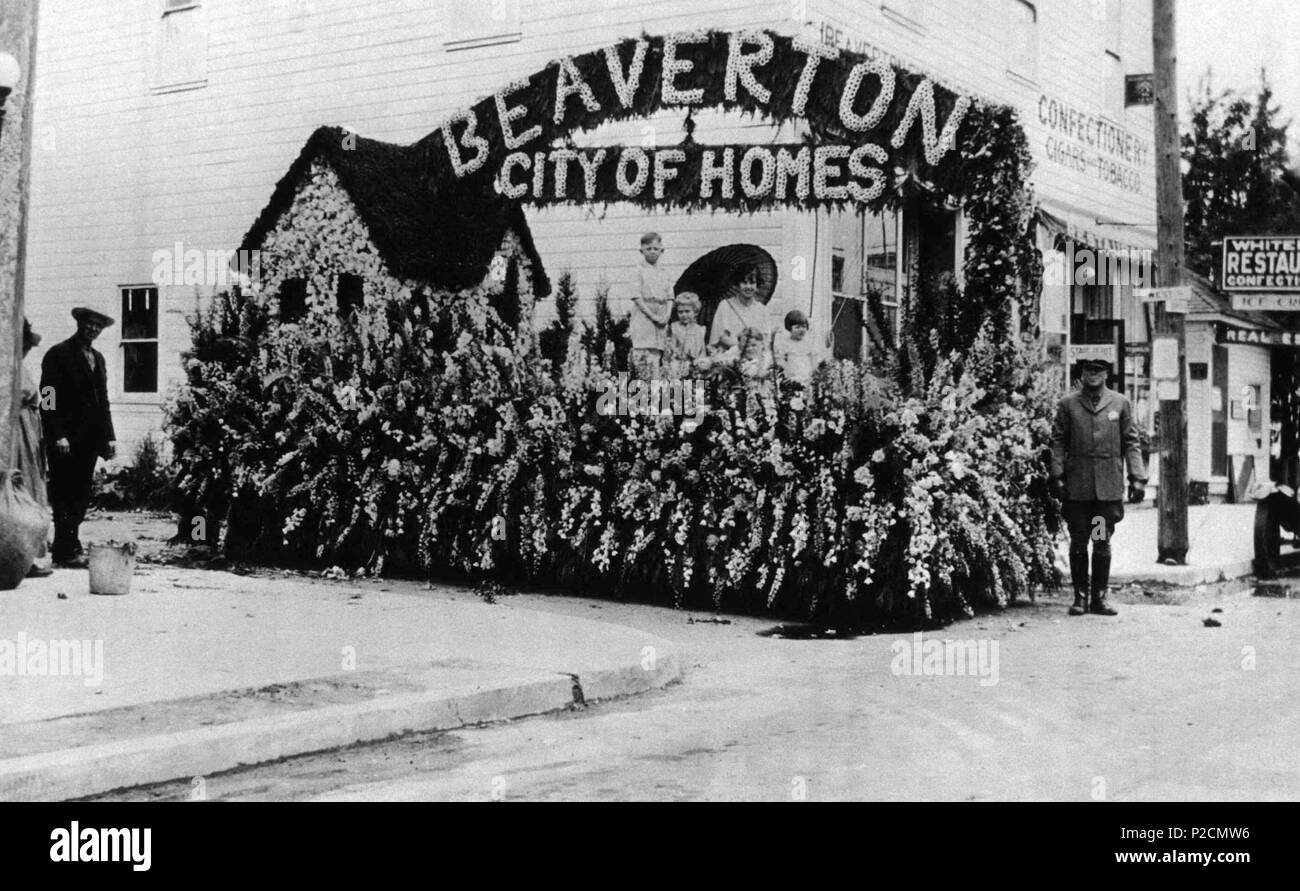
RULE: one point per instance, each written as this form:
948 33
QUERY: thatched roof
446 239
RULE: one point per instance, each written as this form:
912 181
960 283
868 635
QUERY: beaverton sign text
872 125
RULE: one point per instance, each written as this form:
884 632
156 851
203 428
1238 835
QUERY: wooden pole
17 37
1172 500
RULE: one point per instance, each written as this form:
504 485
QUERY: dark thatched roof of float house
446 240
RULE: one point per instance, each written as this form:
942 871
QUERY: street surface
1152 705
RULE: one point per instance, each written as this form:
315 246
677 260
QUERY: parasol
713 276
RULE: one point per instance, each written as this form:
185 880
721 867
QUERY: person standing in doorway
1093 436
78 428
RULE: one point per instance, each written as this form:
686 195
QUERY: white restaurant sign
1265 263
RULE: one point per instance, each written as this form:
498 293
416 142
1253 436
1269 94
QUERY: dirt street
1155 704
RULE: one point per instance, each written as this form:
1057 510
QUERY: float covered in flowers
422 432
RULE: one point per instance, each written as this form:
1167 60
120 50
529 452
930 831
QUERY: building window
484 23
293 299
348 294
864 269
181 47
140 340
906 12
1113 73
1114 24
1022 40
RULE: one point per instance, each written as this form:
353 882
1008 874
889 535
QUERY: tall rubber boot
1079 579
1100 585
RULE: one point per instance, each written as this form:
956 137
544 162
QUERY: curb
90 770
1188 576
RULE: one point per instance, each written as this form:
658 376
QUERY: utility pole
17 38
1170 259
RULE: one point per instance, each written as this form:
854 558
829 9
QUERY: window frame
300 309
1029 77
908 13
892 304
1114 87
344 305
493 38
1114 28
158 83
145 396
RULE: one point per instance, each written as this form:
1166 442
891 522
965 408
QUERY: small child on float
652 300
755 362
793 349
686 350
747 361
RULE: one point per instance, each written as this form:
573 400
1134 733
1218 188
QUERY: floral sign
873 126
716 176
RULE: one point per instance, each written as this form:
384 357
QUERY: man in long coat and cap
1093 436
78 428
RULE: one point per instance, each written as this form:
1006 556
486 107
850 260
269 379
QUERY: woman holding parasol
735 283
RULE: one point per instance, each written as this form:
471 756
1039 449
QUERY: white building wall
965 44
123 168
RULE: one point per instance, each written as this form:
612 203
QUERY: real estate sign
1263 263
1228 334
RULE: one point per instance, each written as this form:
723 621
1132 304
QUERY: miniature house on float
351 222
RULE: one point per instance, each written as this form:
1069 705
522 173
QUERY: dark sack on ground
24 525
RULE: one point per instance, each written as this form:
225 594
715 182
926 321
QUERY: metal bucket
111 567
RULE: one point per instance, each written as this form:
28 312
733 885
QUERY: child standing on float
686 336
652 301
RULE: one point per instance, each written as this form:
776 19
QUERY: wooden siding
121 170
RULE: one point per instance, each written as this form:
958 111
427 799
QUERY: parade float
420 428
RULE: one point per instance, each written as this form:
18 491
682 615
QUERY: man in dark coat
78 428
1093 436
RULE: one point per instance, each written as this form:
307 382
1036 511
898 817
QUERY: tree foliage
1237 178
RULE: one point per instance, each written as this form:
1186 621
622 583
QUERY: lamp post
9 74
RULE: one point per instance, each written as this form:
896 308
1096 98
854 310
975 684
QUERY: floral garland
772 76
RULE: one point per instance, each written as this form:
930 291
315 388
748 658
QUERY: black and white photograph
790 401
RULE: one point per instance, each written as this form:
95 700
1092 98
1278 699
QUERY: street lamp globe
9 73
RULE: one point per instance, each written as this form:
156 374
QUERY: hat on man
1093 363
86 314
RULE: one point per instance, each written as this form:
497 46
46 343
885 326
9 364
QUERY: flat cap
85 313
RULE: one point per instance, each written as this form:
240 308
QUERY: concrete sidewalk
196 672
1220 546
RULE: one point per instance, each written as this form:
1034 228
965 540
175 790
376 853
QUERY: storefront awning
1066 224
